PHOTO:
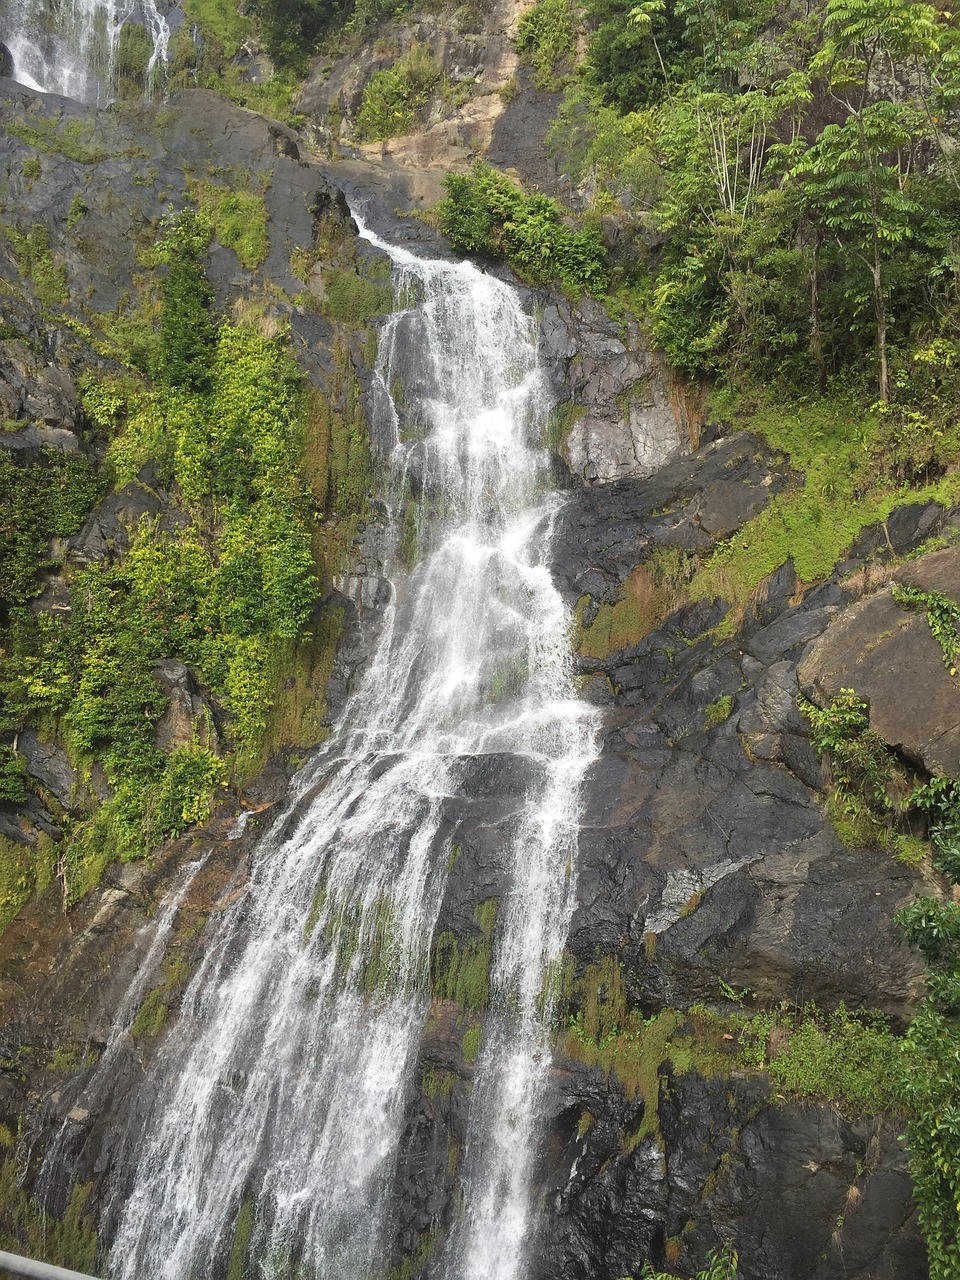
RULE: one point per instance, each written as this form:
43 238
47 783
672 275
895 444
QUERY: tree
851 182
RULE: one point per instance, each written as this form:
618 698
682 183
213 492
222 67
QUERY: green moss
719 711
151 1017
242 1233
31 169
437 1084
413 1265
618 626
134 50
460 968
28 1230
351 299
471 1043
560 421
238 218
72 139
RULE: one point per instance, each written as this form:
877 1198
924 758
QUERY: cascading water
281 1091
71 48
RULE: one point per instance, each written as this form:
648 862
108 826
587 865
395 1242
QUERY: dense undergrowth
222 578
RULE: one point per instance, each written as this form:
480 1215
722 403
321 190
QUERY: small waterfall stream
281 1092
73 49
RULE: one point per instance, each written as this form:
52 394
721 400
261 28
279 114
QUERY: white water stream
282 1089
70 47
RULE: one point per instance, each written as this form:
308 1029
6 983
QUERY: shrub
547 40
394 100
485 213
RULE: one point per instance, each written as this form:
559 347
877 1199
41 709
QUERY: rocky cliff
712 885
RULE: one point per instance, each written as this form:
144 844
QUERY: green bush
846 1057
394 100
547 40
720 1266
39 501
187 332
485 213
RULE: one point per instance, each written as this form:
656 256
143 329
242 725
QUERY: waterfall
72 47
277 1101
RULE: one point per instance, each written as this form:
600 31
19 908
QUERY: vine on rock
943 615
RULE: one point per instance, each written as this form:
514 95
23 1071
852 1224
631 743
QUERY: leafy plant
547 40
394 100
943 615
484 212
859 757
720 1266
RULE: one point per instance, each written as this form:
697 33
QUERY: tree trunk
880 308
816 341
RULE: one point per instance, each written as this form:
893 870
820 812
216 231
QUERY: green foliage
290 29
932 927
26 1228
484 212
460 971
36 263
182 794
229 594
221 20
547 40
720 1266
863 772
939 799
24 869
238 219
187 332
858 754
38 501
801 196
13 776
394 100
933 1135
943 615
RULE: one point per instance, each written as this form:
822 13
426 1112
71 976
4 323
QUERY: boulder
890 658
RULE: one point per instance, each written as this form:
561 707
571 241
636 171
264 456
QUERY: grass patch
221 19
238 219
74 139
26 1228
831 443
394 100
